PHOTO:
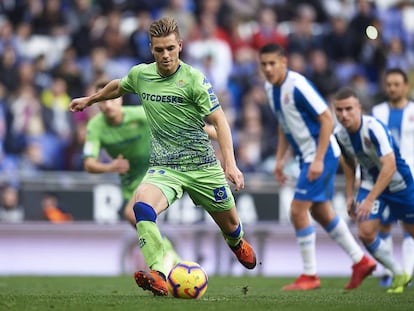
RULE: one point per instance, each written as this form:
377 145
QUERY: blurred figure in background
52 210
398 114
386 179
305 125
10 209
123 132
57 120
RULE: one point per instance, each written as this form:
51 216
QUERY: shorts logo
220 194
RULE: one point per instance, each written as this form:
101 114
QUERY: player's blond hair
164 27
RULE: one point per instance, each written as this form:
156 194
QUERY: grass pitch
27 293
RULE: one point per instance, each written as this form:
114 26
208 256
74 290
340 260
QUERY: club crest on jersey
367 142
180 83
220 194
286 99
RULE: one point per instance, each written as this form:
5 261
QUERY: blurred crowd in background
54 50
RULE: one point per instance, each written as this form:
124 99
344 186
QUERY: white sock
306 239
382 254
340 233
407 250
388 246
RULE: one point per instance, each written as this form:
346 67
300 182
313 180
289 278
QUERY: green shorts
207 187
128 187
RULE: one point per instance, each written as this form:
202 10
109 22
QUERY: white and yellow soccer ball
187 280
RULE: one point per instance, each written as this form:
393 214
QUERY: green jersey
175 107
130 139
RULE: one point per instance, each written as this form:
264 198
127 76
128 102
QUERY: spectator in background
399 56
84 25
337 41
57 120
9 68
25 121
8 165
99 65
112 39
211 54
304 36
42 77
267 30
10 209
365 16
362 86
373 54
52 211
80 14
322 74
214 9
344 7
50 18
250 139
245 10
182 11
69 70
298 62
7 34
139 42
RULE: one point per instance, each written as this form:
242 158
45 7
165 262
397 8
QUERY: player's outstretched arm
110 91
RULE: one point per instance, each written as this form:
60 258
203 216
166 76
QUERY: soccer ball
187 280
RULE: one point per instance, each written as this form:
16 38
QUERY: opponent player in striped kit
386 179
306 124
398 114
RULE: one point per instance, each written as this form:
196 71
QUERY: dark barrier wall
98 198
88 197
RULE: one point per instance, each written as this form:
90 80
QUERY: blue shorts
387 218
392 206
318 190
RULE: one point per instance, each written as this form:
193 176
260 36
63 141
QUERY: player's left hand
236 177
315 170
363 210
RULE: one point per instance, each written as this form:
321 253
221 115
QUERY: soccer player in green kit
177 98
123 132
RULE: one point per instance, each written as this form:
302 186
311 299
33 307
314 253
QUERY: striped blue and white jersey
372 141
297 105
401 124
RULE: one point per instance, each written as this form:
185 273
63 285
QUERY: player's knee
144 212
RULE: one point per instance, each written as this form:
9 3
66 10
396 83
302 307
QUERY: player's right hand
120 165
351 205
280 176
78 104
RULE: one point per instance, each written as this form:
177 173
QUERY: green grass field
224 293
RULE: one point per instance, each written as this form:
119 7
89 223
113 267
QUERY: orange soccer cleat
304 282
153 281
245 254
360 271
